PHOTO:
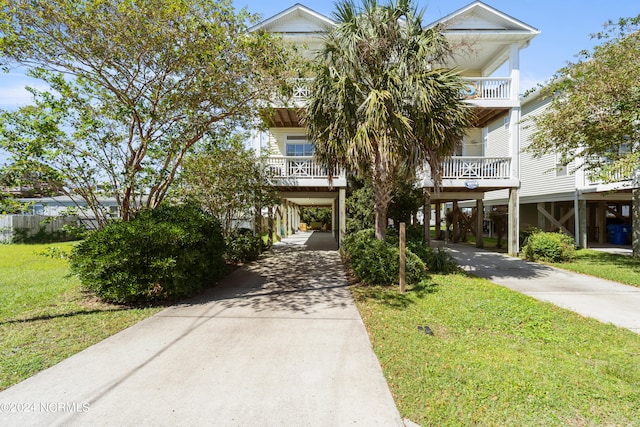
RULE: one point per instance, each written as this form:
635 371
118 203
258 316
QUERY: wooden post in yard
403 258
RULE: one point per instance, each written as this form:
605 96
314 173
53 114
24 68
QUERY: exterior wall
497 143
538 175
276 136
472 143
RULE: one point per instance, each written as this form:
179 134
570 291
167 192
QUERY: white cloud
12 90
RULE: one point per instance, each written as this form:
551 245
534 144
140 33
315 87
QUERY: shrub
165 253
243 246
549 247
436 262
378 263
526 232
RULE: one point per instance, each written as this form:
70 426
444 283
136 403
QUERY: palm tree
380 99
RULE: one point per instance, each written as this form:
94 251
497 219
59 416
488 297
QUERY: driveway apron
278 343
604 300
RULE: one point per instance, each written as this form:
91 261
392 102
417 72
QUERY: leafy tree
134 86
321 215
594 112
359 205
379 99
228 180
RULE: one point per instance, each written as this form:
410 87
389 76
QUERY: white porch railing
301 89
477 168
487 88
296 167
481 88
619 174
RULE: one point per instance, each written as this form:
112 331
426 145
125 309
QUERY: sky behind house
565 26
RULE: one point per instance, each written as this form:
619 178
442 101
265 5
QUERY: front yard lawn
616 267
497 357
45 316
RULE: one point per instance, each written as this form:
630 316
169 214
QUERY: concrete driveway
278 343
607 301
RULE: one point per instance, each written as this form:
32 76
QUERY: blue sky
565 27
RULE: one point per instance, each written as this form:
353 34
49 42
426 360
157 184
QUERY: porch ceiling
486 115
310 198
284 117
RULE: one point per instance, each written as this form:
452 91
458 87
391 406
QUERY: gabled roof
487 34
478 16
298 19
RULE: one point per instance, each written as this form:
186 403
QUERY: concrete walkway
607 301
278 343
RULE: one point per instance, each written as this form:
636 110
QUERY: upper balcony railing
477 88
463 167
298 167
614 175
487 88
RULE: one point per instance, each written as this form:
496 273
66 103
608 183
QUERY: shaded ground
279 342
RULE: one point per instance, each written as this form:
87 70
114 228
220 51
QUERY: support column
541 219
602 221
514 214
479 223
438 220
582 217
270 226
278 216
455 218
334 217
576 219
285 219
342 215
426 208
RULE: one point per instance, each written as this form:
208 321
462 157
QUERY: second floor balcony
302 171
481 91
473 173
616 177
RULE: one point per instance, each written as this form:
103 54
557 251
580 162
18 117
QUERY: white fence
31 225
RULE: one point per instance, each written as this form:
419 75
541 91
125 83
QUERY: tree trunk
382 188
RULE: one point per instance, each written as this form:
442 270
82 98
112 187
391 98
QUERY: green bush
526 232
165 253
549 247
243 246
436 262
378 263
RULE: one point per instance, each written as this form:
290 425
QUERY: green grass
616 267
45 316
499 358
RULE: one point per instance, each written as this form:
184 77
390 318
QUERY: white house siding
497 144
472 143
276 137
538 175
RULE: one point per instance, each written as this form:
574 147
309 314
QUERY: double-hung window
298 146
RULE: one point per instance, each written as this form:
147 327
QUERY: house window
298 145
561 169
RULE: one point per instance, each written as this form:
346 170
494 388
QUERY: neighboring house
486 42
65 205
553 196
